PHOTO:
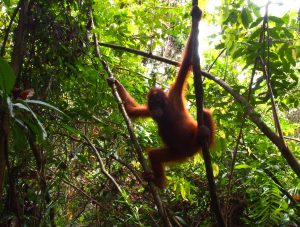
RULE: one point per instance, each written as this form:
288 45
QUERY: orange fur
176 126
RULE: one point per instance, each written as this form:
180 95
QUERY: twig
286 137
112 156
290 138
274 109
212 64
174 219
91 199
128 167
102 165
85 194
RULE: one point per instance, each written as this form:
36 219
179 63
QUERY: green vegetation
66 157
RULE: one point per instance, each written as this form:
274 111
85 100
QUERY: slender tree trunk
3 143
20 35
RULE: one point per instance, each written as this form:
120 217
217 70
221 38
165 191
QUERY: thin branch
137 176
274 109
278 183
91 199
254 117
102 165
198 85
286 137
141 53
133 137
84 193
238 140
214 62
291 138
40 168
7 31
112 156
174 219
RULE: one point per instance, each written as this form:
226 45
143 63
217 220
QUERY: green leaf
256 34
242 166
245 18
216 169
254 8
7 3
23 107
183 192
294 77
257 22
45 104
277 20
232 18
288 33
238 53
7 77
18 136
274 33
290 58
71 129
181 220
220 46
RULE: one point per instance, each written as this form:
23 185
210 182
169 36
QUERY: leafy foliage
56 173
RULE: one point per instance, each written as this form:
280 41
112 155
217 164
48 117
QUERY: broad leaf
7 77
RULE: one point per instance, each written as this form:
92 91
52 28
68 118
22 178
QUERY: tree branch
102 165
141 53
